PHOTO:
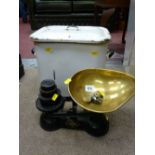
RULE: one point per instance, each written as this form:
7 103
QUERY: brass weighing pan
101 90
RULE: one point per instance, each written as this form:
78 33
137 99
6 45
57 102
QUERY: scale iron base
54 117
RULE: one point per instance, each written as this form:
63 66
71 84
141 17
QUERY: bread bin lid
73 34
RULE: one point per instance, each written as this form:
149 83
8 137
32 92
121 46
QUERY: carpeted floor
25 43
36 141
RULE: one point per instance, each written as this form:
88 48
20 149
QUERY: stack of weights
49 99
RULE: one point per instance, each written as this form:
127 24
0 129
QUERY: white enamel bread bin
63 50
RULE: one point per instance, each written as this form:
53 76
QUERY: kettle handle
33 51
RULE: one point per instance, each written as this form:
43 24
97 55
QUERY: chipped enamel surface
75 34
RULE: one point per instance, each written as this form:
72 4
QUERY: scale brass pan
101 90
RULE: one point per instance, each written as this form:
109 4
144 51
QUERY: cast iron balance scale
93 94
